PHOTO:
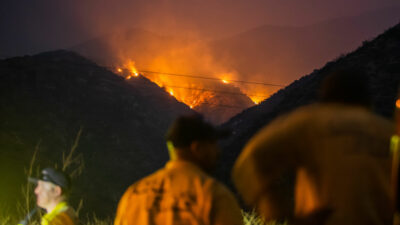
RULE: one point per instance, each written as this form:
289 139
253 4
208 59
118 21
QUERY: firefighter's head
52 188
349 86
191 138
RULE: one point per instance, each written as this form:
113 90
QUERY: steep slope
48 97
379 59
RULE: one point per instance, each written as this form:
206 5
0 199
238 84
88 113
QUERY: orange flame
398 103
130 66
257 95
184 89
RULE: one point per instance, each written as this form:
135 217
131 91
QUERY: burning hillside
217 98
185 68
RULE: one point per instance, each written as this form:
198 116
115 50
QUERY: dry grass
93 220
70 161
252 218
4 216
25 207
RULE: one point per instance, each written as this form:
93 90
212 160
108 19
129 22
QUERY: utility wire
204 77
211 78
201 89
208 90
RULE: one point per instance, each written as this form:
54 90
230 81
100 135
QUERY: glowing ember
257 99
398 103
130 65
128 70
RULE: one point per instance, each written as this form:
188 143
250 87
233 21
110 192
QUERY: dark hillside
46 98
379 59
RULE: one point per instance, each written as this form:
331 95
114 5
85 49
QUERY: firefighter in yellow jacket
332 157
51 193
182 192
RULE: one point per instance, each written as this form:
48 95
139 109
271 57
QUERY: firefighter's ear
195 148
58 190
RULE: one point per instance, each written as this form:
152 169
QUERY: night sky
31 26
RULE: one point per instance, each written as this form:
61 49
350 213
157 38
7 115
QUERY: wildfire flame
398 103
184 90
130 66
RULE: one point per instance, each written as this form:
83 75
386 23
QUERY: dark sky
30 26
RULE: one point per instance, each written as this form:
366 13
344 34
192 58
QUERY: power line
205 90
205 77
208 90
212 78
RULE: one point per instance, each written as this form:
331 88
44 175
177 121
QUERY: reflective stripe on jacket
62 214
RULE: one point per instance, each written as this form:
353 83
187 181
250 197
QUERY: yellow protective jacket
340 157
180 193
62 214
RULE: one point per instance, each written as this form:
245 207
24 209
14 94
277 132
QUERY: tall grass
93 220
70 161
28 203
5 217
27 190
252 218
